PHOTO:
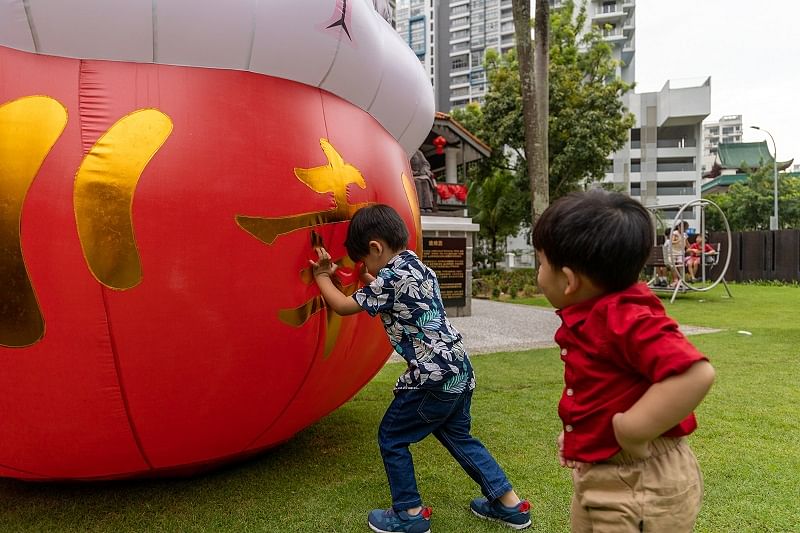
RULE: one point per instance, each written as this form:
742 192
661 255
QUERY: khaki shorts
662 493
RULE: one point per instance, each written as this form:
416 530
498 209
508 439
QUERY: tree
587 119
748 205
497 205
533 75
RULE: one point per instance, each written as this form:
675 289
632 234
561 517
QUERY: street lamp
773 220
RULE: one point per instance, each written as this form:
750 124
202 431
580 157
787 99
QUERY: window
416 35
675 164
459 63
477 58
609 7
676 188
459 10
461 21
458 80
460 34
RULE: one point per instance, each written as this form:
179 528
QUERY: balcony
609 14
613 35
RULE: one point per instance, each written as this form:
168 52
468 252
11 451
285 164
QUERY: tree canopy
587 119
748 205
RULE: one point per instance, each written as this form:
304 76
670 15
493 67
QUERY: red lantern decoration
440 142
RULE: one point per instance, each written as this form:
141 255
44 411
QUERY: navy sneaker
517 517
389 521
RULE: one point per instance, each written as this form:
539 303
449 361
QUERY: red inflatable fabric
201 341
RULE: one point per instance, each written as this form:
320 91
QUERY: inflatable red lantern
158 314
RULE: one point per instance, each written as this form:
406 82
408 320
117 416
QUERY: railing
676 143
675 167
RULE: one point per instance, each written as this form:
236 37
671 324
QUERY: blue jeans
415 414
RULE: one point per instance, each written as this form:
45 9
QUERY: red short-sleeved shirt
614 347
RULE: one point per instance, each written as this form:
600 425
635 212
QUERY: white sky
750 48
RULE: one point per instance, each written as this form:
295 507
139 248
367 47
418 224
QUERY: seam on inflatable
410 122
21 471
31 26
322 324
154 22
377 92
330 67
121 384
252 35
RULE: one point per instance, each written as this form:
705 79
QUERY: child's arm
662 407
323 270
366 277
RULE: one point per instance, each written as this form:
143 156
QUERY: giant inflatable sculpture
165 166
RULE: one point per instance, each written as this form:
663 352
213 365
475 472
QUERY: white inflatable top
342 46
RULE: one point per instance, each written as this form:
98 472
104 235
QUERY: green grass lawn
330 475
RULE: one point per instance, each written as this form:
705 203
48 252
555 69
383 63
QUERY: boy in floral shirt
434 393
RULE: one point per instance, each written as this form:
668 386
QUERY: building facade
663 167
416 22
451 38
727 130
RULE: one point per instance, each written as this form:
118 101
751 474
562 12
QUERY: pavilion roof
748 156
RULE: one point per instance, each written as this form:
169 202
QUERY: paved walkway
504 327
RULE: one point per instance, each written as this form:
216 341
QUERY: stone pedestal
441 226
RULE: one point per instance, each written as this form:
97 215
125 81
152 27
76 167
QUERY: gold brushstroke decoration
413 203
29 127
333 178
299 315
103 195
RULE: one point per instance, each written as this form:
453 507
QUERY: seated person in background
678 242
695 252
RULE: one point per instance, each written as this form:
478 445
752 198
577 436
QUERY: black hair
377 221
606 236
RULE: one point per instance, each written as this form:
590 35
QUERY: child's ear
376 246
573 281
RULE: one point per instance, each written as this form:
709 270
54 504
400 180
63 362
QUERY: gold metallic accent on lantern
335 177
331 178
413 203
299 315
29 127
103 195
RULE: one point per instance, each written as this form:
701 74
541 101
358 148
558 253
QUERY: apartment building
663 166
727 130
478 25
416 21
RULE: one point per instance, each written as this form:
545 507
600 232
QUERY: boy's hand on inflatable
324 266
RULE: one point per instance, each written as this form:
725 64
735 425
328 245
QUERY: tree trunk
541 62
535 94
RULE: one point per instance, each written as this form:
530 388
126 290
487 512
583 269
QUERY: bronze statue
424 182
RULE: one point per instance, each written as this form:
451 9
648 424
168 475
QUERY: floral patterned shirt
406 295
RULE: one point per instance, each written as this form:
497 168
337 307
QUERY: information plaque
447 256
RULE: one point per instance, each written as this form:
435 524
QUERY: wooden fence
760 255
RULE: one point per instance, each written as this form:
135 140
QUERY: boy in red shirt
631 378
